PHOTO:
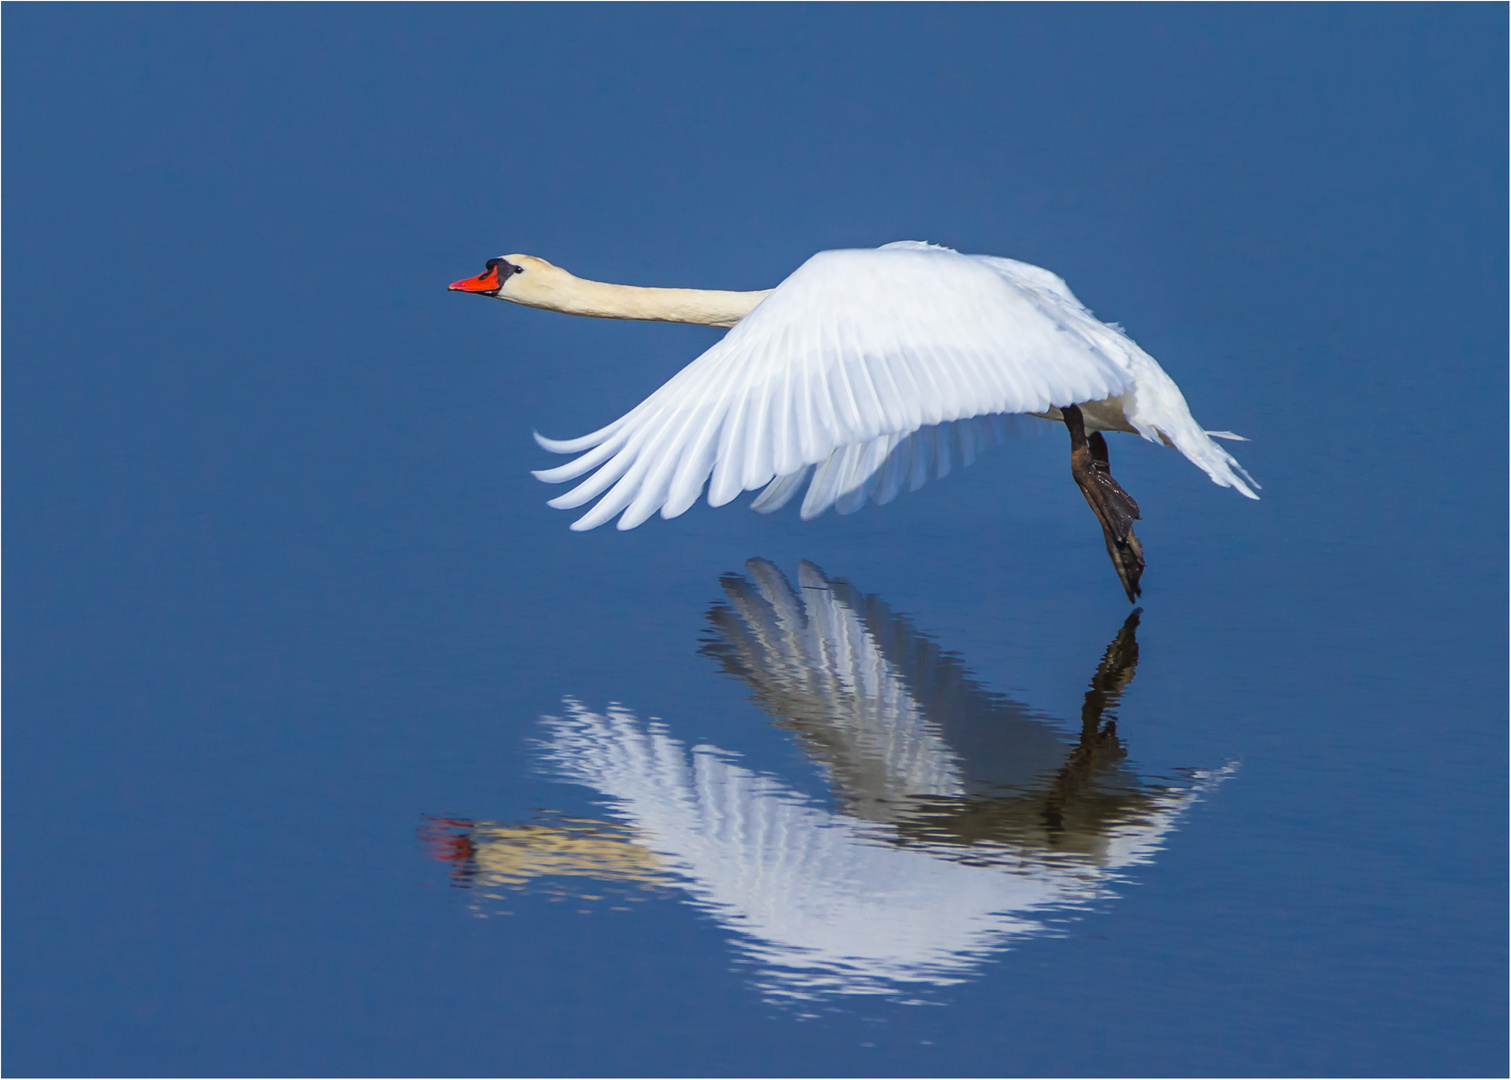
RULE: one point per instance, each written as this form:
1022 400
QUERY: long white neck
542 285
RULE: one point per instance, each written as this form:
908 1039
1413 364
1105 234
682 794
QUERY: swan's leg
1115 509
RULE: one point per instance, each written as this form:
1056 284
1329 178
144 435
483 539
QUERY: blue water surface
328 749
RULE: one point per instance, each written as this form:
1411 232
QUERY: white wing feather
852 353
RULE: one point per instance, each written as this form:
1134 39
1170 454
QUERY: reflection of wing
905 734
824 901
813 664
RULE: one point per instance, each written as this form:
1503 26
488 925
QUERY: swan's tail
1187 436
1158 411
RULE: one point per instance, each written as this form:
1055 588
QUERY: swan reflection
960 820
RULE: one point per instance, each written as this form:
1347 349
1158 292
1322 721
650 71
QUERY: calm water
329 750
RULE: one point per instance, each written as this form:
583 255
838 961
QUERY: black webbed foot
1115 509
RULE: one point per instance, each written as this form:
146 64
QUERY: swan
856 374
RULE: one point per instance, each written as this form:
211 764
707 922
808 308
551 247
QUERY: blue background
278 581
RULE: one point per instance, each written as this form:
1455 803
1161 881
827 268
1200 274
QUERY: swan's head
523 279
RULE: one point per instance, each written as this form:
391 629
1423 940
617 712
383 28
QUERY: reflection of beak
486 282
444 844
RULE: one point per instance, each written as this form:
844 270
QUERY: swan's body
862 369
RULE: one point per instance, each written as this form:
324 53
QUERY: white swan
852 370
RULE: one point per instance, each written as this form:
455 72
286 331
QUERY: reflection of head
504 856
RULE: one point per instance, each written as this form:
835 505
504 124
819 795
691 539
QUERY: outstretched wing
854 347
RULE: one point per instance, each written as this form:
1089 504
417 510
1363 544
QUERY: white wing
854 347
1153 407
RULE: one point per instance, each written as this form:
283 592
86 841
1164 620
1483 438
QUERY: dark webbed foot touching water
1115 508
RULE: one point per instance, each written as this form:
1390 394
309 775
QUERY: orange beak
485 282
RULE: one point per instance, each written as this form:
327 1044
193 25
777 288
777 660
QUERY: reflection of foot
1099 746
1115 671
1115 509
